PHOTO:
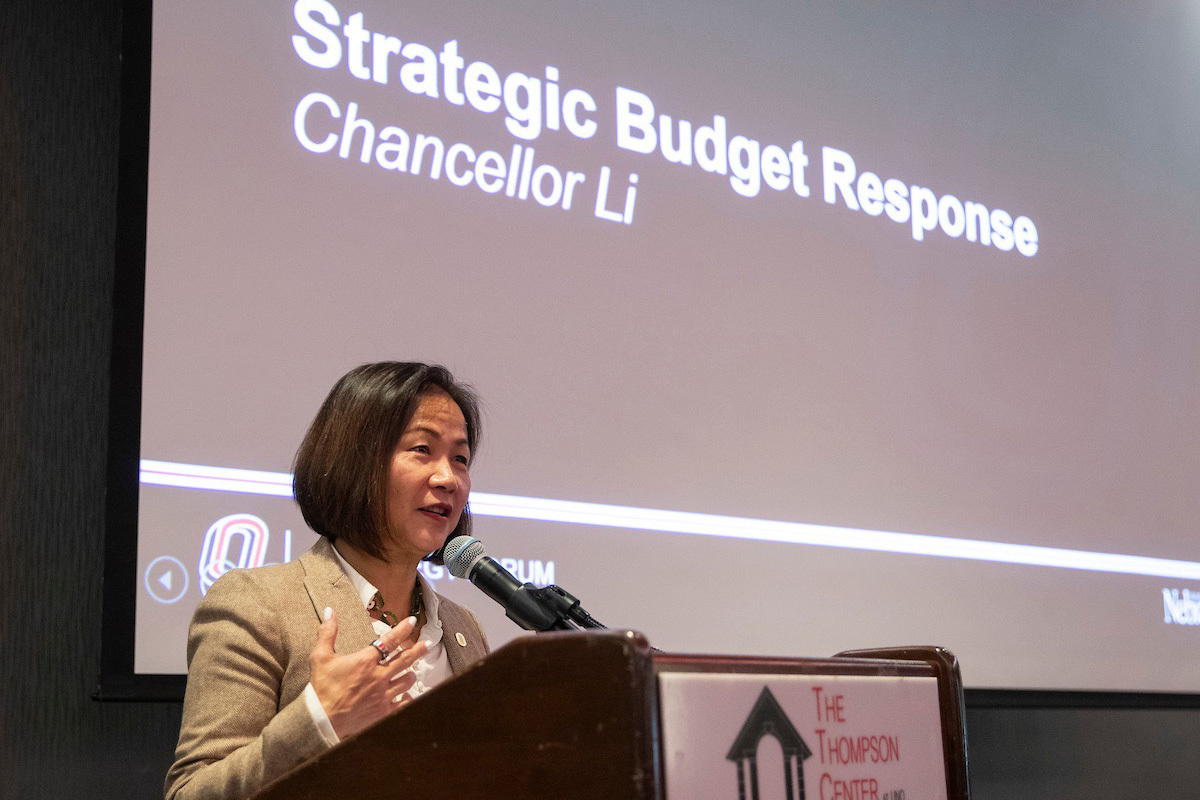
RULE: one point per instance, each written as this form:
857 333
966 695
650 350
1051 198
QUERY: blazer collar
329 586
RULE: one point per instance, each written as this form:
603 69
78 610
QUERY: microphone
532 608
465 557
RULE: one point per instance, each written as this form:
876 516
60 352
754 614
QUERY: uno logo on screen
237 541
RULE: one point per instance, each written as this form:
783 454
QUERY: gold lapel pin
462 640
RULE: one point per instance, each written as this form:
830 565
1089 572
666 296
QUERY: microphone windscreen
461 554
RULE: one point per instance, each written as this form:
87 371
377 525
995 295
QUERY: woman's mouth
439 510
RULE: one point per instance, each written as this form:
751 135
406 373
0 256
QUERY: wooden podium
578 715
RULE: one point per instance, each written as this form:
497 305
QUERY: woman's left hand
360 688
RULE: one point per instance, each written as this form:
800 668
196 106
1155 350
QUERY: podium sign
801 737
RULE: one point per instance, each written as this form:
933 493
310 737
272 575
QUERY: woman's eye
462 460
421 448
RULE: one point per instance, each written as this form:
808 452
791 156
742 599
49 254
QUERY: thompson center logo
767 718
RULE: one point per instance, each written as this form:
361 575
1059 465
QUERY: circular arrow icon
166 579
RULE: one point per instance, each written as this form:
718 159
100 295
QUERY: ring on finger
384 653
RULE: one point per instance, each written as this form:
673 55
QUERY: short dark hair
341 470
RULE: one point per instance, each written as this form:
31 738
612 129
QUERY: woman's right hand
359 688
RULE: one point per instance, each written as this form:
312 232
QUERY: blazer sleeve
235 737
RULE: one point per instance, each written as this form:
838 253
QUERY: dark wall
59 98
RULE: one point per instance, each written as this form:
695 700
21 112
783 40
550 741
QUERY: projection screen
799 326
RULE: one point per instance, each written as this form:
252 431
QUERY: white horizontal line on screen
483 504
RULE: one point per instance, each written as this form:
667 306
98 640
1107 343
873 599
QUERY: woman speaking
285 661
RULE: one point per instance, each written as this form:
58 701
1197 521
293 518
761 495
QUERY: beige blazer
245 721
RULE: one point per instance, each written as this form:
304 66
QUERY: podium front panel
598 716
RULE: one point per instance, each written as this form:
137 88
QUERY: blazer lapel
455 624
328 585
454 652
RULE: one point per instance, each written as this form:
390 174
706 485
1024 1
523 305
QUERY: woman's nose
444 476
